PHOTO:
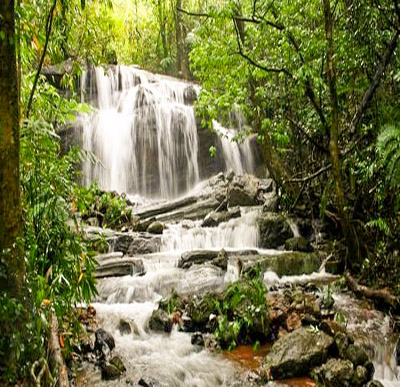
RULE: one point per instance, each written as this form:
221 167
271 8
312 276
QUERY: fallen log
381 298
56 358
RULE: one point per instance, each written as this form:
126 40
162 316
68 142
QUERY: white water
145 137
236 233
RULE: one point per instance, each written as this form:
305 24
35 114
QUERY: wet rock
243 191
165 208
108 256
360 376
189 95
287 263
221 260
155 228
197 339
274 230
296 353
113 369
331 327
196 257
374 383
195 211
120 267
110 372
341 342
148 381
335 373
356 355
369 366
127 327
298 244
134 243
160 321
141 225
213 219
271 202
104 337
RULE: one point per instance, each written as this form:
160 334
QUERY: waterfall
145 136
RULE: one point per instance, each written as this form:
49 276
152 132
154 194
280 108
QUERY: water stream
145 135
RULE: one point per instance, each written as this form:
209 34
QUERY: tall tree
11 259
10 221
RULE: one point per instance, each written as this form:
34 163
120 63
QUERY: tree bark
347 229
10 207
11 259
181 56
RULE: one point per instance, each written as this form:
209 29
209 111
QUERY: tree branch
308 137
49 24
375 83
313 175
251 61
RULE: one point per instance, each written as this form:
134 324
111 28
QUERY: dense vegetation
317 81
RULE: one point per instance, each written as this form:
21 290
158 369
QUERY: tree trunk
347 229
181 56
11 259
10 212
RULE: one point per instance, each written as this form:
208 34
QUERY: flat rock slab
120 267
285 263
199 257
297 353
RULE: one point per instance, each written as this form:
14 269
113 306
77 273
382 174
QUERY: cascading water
144 133
145 136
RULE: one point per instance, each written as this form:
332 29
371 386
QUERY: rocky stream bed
151 323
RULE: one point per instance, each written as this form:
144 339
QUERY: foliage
109 207
56 251
388 151
242 313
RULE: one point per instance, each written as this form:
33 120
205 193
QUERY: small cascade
145 136
236 233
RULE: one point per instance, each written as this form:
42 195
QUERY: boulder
335 373
127 327
134 243
104 337
360 376
243 191
109 372
274 230
285 263
356 355
297 353
113 369
298 244
160 321
213 219
155 228
197 339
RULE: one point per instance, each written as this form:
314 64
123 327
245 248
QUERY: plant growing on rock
243 313
109 208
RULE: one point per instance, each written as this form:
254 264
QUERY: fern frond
388 153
